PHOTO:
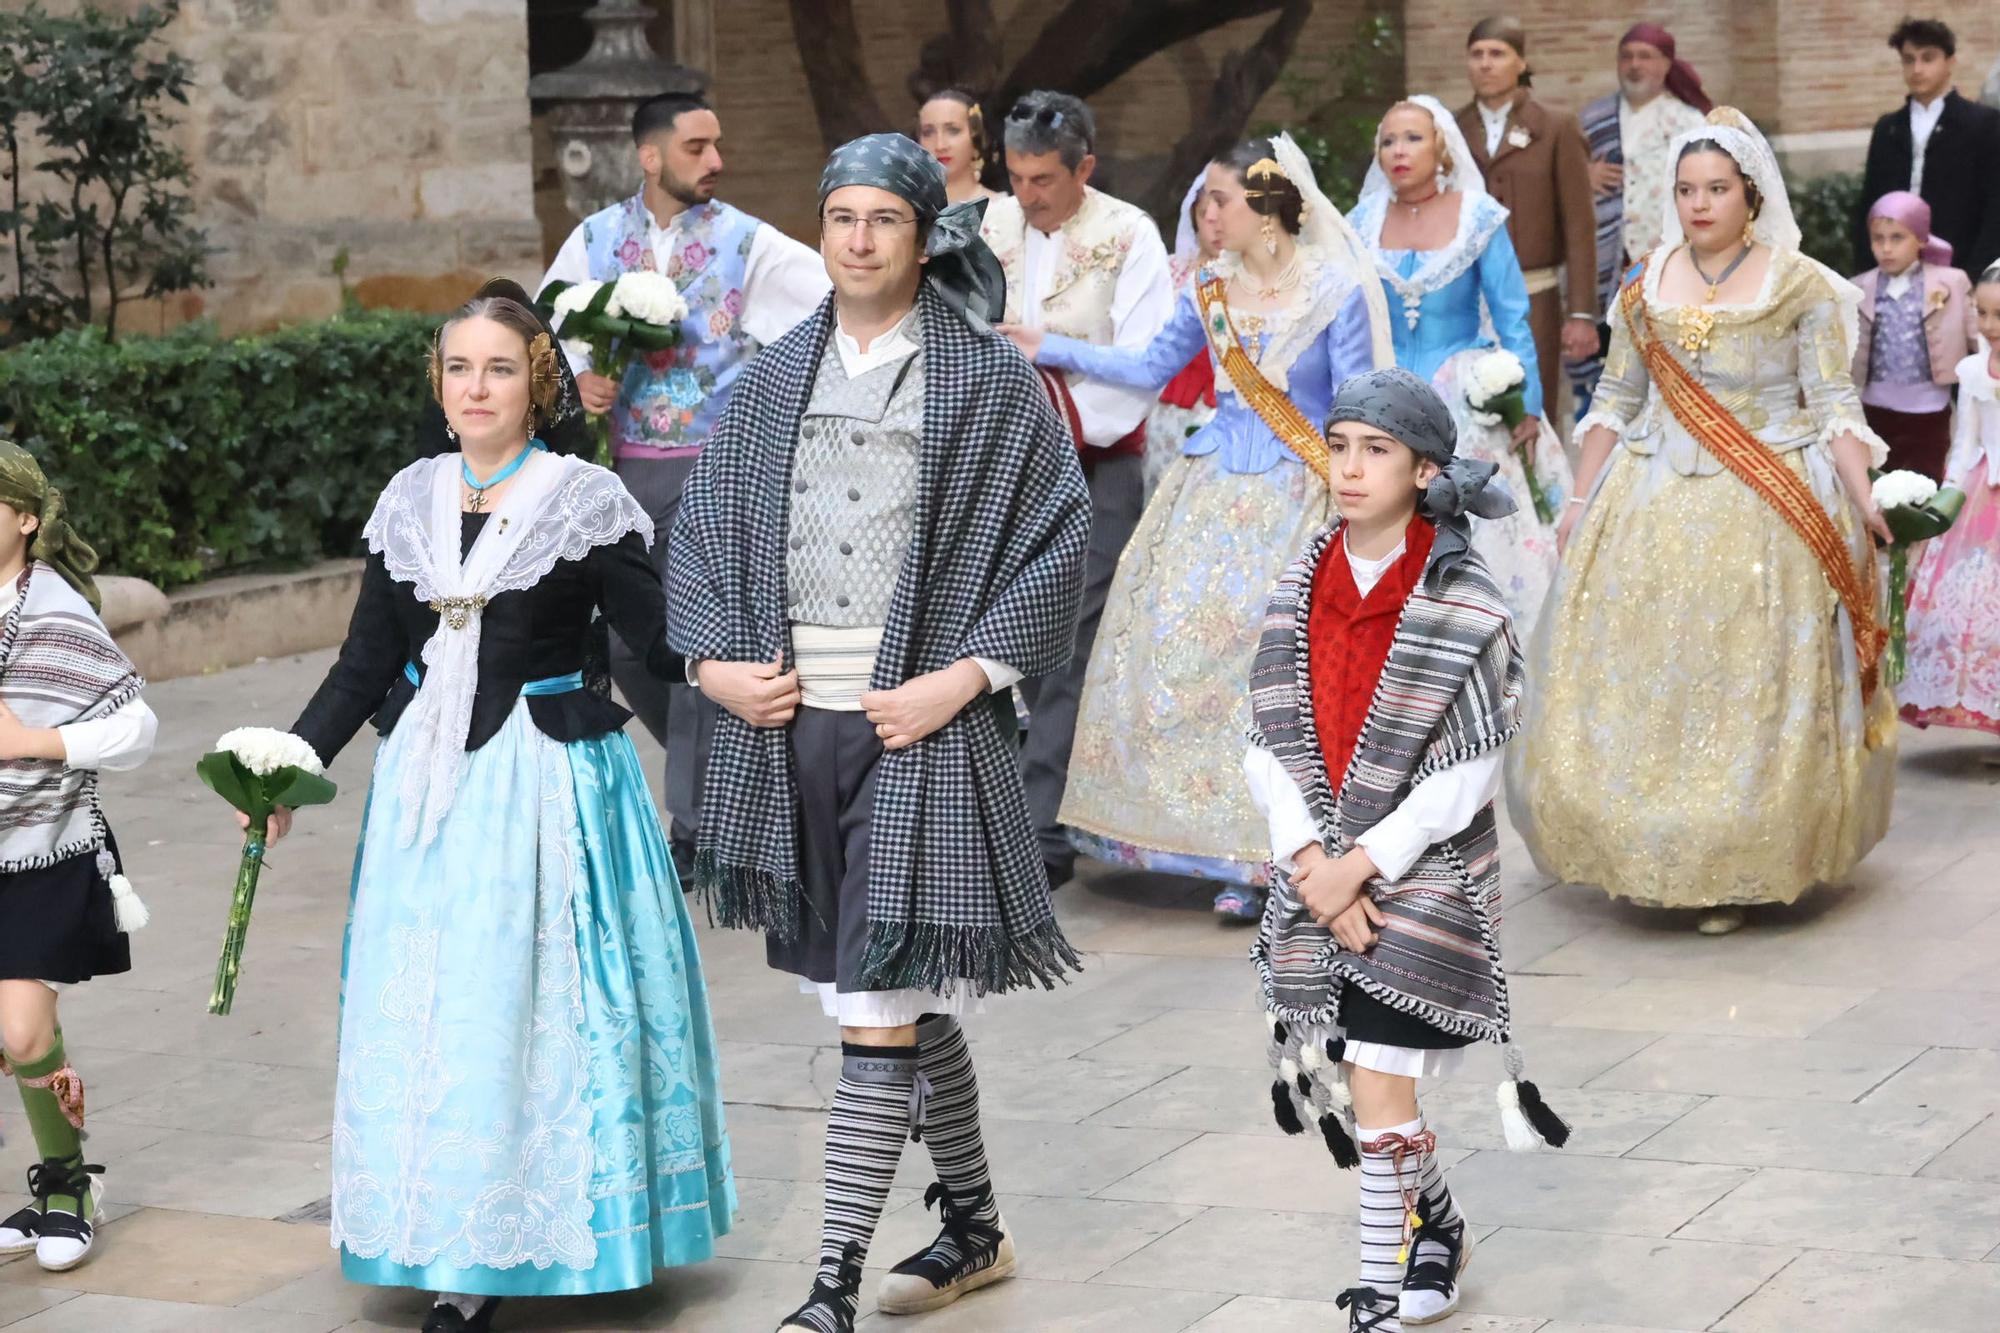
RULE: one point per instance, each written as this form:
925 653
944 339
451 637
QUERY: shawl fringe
935 956
749 898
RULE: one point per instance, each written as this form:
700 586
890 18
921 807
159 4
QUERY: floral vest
669 400
1078 299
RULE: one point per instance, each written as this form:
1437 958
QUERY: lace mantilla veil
1464 175
1776 225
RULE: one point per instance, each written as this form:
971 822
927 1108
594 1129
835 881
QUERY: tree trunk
829 46
1088 43
966 55
1245 77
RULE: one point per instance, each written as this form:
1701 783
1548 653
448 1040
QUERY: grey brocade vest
854 491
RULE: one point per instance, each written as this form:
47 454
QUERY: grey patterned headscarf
964 271
1399 404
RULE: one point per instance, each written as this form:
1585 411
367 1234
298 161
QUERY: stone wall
1814 74
393 130
398 131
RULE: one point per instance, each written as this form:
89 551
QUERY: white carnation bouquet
1916 510
256 770
639 312
1496 391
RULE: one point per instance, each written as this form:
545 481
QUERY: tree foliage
84 97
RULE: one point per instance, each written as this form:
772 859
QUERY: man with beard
1629 133
746 284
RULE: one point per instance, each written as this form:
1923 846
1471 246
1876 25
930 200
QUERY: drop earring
451 432
1270 230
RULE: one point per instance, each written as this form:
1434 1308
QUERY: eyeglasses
840 222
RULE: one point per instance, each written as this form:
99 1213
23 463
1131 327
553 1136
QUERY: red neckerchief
1348 638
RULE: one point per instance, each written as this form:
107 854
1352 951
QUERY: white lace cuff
1604 419
1878 451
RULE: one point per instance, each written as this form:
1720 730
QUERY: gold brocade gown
1695 733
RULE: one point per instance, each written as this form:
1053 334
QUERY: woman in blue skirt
526 1101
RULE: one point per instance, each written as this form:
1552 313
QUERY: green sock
54 1135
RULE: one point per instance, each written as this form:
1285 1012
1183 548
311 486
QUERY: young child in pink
1916 326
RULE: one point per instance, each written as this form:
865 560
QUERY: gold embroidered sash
1270 404
1757 466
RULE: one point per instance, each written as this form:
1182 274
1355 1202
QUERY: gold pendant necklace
1696 323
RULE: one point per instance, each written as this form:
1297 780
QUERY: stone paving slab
1792 1128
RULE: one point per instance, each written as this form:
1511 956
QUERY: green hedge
191 454
1826 206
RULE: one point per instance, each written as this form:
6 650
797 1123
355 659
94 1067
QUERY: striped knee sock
1384 1211
864 1140
1441 1216
951 1116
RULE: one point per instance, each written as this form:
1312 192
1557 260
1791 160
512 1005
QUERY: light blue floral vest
669 400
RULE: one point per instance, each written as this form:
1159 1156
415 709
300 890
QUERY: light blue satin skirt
527 1098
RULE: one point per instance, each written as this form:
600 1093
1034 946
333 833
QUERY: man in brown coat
1536 163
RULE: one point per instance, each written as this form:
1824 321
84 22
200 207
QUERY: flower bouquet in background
1915 510
256 769
1497 397
638 312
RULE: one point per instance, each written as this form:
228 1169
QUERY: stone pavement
1790 1128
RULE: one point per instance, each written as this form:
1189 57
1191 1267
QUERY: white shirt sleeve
999 676
118 741
571 264
783 282
1141 305
1439 806
1282 804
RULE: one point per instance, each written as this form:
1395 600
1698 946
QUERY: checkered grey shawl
957 894
1450 691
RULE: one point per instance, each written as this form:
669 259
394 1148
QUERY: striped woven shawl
1450 691
58 665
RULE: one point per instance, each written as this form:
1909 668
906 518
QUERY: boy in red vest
1386 685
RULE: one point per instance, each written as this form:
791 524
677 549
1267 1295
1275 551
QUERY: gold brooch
1696 325
458 611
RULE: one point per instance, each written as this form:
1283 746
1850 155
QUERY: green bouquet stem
1513 410
230 965
1899 598
1536 495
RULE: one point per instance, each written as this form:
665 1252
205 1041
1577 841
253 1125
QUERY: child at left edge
70 705
1385 687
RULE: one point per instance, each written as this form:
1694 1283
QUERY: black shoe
967 1255
682 850
830 1307
447 1319
1434 1277
1366 1308
63 1239
19 1232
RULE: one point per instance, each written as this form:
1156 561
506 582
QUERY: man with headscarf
1535 163
1081 263
885 531
745 283
1627 133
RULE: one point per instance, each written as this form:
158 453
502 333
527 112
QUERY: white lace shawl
557 508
